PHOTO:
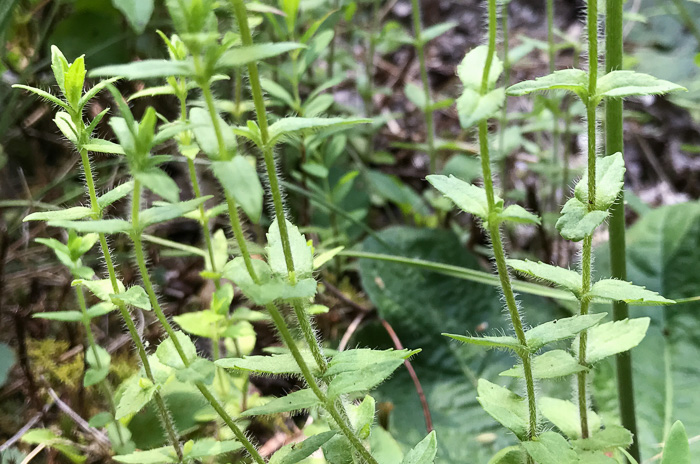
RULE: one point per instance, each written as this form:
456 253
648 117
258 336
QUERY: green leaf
69 214
201 370
550 365
293 125
621 84
509 409
296 401
204 132
117 193
162 455
201 323
274 89
277 364
48 438
490 342
615 337
97 371
65 124
573 80
269 288
609 438
168 354
470 70
609 173
64 316
158 182
100 309
292 454
205 447
146 69
326 256
415 95
352 381
135 296
510 455
620 290
467 197
59 66
432 32
302 254
164 213
560 329
101 226
570 280
103 146
240 56
473 107
565 416
518 214
576 222
240 179
424 452
137 393
94 90
362 417
101 288
676 448
136 12
551 448
357 360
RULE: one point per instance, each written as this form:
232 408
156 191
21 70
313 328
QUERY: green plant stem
495 235
504 112
614 142
427 111
141 261
126 316
588 241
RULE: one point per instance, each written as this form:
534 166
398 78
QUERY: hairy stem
614 142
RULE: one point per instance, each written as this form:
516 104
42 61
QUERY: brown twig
35 418
412 373
82 423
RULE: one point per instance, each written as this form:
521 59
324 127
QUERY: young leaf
615 337
164 213
292 454
609 438
518 214
42 94
158 182
505 406
103 146
424 452
561 329
467 197
302 255
69 214
295 401
470 70
293 125
137 393
621 84
240 56
136 296
59 66
490 342
551 448
620 290
269 288
240 179
117 193
97 88
415 95
146 69
97 371
609 173
570 280
473 107
576 222
65 124
167 352
565 416
103 226
102 288
550 365
277 364
573 80
676 448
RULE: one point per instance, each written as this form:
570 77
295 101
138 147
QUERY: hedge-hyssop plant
283 282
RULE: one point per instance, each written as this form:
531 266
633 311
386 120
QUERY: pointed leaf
573 80
295 401
136 296
97 371
551 448
158 182
609 173
102 288
103 226
570 280
470 70
146 69
136 12
565 416
103 146
241 181
621 84
45 95
201 370
164 213
277 364
550 365
302 254
676 448
615 337
609 438
467 197
353 381
620 290
243 55
138 392
490 342
432 32
300 451
292 125
424 452
97 88
69 214
473 107
560 329
576 222
505 406
117 193
358 360
269 288
518 214
63 316
204 132
168 354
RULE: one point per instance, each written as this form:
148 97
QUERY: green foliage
676 448
505 406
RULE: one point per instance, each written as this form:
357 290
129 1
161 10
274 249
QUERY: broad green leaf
570 280
74 81
415 95
162 455
240 56
45 95
101 226
295 401
293 125
302 254
621 84
168 354
609 173
68 214
103 146
205 447
164 213
620 290
516 213
352 381
510 455
268 288
551 448
101 288
201 370
201 323
50 439
292 454
615 337
609 438
565 416
490 342
277 364
576 222
357 360
135 296
64 316
204 132
98 365
471 69
560 329
550 365
473 107
505 406
146 69
117 193
573 80
138 392
136 12
240 179
277 91
158 182
676 448
424 452
467 197
100 309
